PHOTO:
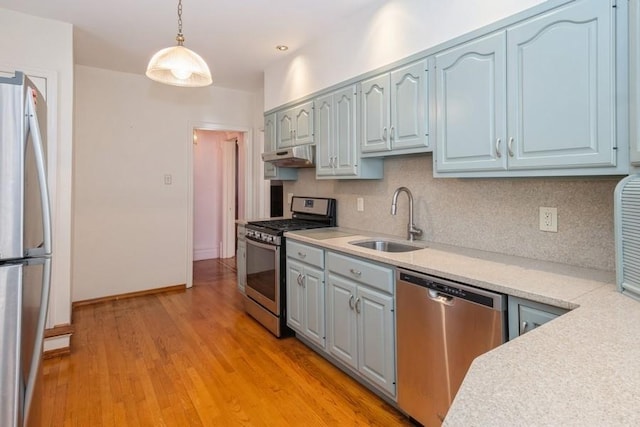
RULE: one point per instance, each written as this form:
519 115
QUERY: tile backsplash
497 215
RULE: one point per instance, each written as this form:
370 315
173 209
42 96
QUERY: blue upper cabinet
634 82
394 112
538 98
471 106
375 114
270 135
409 120
336 130
295 125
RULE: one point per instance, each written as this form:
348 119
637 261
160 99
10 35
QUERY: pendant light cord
180 36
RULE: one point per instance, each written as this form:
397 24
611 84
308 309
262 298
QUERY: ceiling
236 38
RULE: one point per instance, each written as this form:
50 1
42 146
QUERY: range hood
300 156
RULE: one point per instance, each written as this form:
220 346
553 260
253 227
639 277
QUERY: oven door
263 275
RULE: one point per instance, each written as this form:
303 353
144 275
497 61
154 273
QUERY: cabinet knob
302 254
355 272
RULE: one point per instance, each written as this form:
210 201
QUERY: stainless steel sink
385 245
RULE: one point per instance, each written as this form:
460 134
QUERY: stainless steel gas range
265 298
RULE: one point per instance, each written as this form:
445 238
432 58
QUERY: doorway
220 189
218 192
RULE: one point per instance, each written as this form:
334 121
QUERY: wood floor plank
194 358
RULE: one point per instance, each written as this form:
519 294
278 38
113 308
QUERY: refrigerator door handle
36 358
38 146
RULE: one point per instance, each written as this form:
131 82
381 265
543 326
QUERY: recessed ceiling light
282 47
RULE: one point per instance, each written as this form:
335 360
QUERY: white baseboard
205 253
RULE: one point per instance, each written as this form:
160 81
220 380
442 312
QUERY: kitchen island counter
575 370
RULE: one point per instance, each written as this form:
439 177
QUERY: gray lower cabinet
306 291
361 318
525 315
241 258
537 98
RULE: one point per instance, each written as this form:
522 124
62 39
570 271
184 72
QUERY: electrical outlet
360 204
168 179
549 219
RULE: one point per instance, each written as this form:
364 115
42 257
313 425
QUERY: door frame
248 191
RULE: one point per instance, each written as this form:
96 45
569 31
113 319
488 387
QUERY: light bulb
181 74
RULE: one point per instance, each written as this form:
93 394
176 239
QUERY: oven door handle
261 245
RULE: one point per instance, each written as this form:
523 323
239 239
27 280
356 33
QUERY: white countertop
579 369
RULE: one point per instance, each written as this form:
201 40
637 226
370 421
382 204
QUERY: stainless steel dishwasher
441 327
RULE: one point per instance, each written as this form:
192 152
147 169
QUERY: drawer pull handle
355 272
523 328
299 279
302 254
351 302
498 153
358 305
510 147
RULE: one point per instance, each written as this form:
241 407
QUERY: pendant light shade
177 65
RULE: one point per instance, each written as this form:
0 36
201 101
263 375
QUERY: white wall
375 37
130 230
27 42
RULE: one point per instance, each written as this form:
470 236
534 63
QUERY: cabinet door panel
324 135
346 144
341 322
285 128
560 88
270 170
375 114
303 124
471 106
409 106
295 302
314 305
376 338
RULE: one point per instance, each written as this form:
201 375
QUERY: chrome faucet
412 230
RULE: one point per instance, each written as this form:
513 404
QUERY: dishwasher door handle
440 298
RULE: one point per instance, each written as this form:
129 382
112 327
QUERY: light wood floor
194 358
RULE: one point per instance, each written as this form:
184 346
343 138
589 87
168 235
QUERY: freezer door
24 294
35 301
11 400
25 220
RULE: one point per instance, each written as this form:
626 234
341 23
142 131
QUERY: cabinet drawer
367 273
307 254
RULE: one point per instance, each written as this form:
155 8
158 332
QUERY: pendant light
177 65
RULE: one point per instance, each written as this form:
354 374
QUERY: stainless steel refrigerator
25 250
